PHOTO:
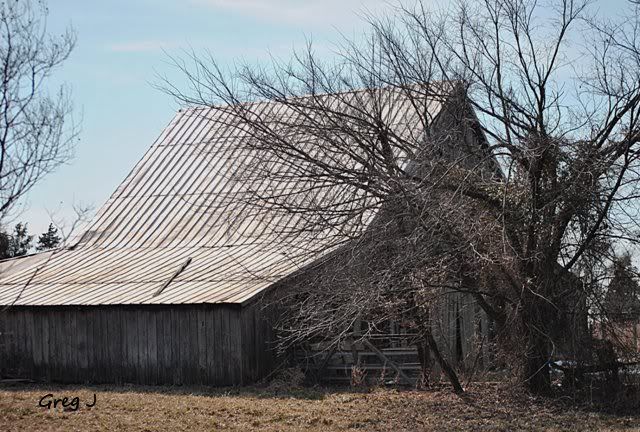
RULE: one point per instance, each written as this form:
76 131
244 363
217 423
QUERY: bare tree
36 128
70 228
489 149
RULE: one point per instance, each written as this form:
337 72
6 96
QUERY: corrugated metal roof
181 202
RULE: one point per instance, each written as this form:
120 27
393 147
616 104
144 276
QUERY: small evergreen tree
20 241
16 244
49 239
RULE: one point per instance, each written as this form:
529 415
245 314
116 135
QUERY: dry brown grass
178 409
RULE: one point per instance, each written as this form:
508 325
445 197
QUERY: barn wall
181 344
460 327
258 342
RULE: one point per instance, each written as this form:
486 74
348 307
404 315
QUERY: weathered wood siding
258 342
460 327
179 344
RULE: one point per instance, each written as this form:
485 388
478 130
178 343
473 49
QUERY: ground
133 408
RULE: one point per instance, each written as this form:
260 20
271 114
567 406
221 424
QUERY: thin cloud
141 46
297 11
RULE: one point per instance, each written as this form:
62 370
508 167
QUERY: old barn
164 287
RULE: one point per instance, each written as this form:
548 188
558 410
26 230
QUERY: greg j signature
68 404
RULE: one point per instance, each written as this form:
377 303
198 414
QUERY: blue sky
119 54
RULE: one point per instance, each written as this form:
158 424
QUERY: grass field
132 408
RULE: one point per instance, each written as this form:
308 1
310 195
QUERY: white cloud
141 46
321 12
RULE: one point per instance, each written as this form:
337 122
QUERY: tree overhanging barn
166 284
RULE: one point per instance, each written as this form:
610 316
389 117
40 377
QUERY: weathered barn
164 286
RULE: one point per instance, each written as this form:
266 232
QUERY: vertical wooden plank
81 342
257 339
235 339
45 372
111 341
97 372
101 345
150 334
129 329
9 356
27 361
145 345
118 336
8 342
15 343
106 372
56 343
16 334
69 342
168 345
152 354
194 365
88 332
53 355
61 345
88 341
161 343
160 347
262 345
18 342
228 352
191 339
211 345
21 342
132 352
257 346
244 354
186 360
94 345
124 358
121 331
221 372
79 314
73 338
141 346
31 333
81 328
134 318
253 345
202 347
107 340
176 354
